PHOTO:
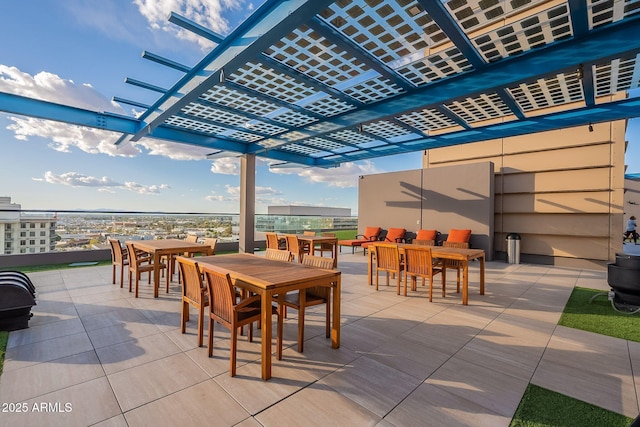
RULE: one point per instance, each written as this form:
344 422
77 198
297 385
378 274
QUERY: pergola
318 82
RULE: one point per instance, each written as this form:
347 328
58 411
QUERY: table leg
335 330
334 253
482 275
370 267
156 273
465 282
266 334
302 295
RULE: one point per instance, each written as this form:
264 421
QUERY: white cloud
104 184
226 166
207 13
344 176
50 87
233 194
172 150
64 136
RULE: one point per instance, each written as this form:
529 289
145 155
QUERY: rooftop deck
122 361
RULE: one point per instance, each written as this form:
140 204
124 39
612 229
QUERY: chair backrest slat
418 260
318 262
118 255
221 293
292 243
279 255
459 245
272 240
191 238
211 242
387 257
191 279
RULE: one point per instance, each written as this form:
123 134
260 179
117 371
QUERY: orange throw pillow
426 235
459 236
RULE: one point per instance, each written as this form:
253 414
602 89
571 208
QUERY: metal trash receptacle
513 248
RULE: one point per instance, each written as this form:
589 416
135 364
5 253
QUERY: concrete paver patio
94 355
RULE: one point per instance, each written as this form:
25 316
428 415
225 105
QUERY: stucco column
247 202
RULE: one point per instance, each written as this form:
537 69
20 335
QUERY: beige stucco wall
438 198
562 191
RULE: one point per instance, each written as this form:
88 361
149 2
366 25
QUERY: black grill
624 279
17 296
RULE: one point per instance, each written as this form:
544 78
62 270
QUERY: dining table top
177 245
266 273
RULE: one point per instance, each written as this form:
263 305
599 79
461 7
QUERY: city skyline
79 53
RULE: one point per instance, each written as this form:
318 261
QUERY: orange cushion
372 232
426 235
394 234
459 236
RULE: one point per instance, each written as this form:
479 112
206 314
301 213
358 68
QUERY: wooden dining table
268 278
455 254
315 240
168 248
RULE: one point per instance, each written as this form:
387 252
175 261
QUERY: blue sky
78 52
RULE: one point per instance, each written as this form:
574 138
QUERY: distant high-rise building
25 234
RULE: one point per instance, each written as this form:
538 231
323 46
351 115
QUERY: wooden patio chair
456 239
312 296
418 262
227 311
191 238
274 242
139 264
119 257
194 292
211 242
324 246
388 260
294 246
279 255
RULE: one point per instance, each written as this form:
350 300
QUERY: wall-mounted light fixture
590 127
222 77
360 128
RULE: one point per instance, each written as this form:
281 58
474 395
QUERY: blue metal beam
298 76
588 86
270 99
15 104
130 102
166 62
602 45
195 28
449 26
330 33
451 116
200 140
618 110
144 85
579 17
269 23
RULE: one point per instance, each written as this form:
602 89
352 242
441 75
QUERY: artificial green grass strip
599 316
540 407
4 337
47 267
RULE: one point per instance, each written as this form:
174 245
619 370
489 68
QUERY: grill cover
17 296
